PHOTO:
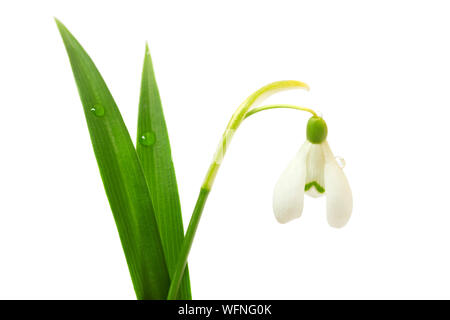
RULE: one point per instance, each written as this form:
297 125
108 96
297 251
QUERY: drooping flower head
314 171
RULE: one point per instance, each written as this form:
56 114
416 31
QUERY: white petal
313 193
338 192
290 188
315 164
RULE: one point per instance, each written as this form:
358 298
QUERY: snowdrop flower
314 171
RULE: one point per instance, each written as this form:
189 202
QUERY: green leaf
153 148
122 175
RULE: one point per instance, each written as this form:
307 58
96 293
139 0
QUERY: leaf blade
156 159
122 176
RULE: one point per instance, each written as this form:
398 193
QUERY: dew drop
147 139
98 110
341 162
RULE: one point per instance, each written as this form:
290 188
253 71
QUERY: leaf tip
59 24
62 29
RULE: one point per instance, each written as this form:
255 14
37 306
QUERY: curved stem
237 118
233 125
279 106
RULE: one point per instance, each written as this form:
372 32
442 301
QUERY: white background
379 72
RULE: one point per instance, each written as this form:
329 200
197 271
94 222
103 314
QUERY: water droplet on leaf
98 110
147 139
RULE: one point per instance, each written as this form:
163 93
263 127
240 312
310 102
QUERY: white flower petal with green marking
313 171
315 161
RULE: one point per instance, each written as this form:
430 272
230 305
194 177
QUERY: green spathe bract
316 130
122 175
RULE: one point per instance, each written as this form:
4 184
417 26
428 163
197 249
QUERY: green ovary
316 185
316 130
